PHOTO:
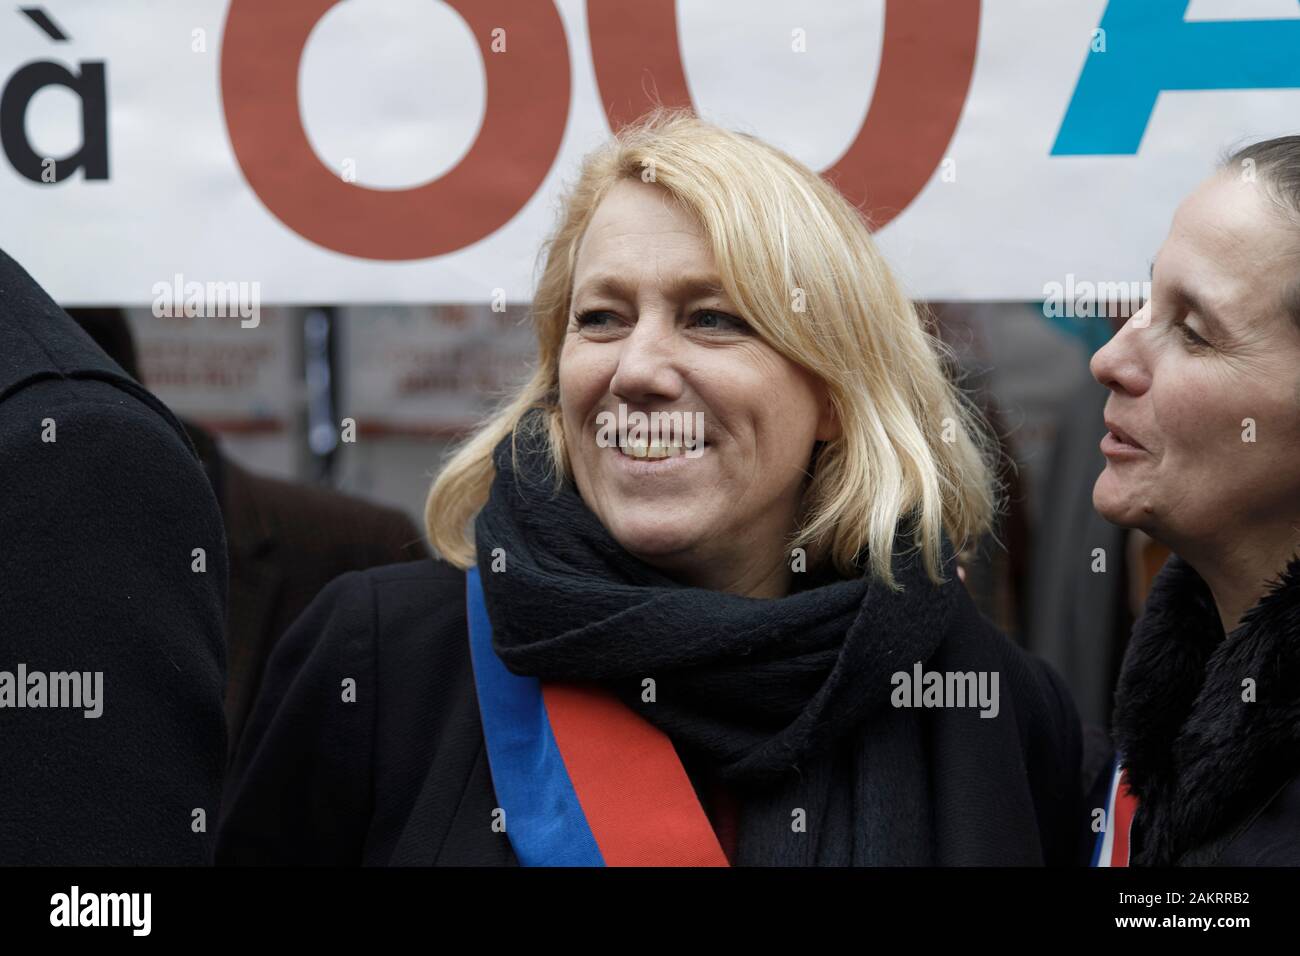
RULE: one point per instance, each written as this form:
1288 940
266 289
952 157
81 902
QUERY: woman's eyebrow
684 286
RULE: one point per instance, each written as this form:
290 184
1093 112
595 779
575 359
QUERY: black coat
287 540
97 533
1217 776
401 776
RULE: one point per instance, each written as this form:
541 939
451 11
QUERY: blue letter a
1149 48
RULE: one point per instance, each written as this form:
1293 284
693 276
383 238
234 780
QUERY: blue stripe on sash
1100 844
544 819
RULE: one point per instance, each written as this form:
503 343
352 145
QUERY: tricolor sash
1112 847
582 779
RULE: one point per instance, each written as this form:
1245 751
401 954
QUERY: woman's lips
1119 444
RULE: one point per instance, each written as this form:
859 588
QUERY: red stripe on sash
638 800
1125 808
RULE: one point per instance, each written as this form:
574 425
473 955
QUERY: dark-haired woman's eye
1190 336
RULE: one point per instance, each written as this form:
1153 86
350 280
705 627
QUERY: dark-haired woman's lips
1117 443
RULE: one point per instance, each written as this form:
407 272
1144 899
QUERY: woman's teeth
656 450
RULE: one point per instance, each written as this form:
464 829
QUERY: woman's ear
828 423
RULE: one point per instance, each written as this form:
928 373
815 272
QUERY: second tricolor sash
1113 847
581 778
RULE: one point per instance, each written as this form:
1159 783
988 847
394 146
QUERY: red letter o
527 107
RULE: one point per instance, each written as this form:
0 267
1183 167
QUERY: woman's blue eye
588 318
597 317
739 324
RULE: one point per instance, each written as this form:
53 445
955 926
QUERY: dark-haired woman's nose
1121 364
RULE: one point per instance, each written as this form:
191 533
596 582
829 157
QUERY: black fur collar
1201 760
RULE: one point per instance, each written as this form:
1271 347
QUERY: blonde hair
799 262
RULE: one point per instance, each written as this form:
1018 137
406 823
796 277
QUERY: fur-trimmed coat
1209 727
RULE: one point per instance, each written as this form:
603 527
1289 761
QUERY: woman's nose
648 363
1121 363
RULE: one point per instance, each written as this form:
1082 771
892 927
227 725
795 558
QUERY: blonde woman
731 637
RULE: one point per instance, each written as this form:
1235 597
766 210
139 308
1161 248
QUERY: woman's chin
1117 504
655 543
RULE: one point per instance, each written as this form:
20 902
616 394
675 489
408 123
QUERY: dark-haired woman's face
645 334
1205 382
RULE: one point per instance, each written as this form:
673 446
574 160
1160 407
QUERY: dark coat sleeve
300 788
97 574
1098 763
1055 760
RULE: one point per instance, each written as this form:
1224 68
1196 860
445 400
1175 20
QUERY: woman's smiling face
651 329
1205 382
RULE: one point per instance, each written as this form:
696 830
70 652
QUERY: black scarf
1201 759
775 696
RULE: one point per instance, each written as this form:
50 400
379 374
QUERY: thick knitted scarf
785 700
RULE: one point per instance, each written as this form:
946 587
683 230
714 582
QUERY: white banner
410 151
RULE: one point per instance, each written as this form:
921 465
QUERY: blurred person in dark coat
287 540
112 592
